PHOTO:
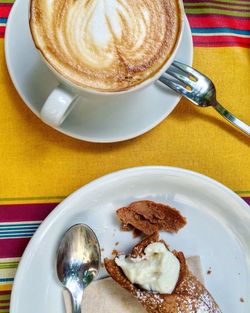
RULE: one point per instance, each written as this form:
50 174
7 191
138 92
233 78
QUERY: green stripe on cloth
7 1
243 192
225 1
64 197
221 5
4 297
33 198
6 265
216 11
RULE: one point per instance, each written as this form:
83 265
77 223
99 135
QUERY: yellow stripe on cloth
31 199
6 287
37 161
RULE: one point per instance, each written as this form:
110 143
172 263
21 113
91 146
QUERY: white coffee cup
61 101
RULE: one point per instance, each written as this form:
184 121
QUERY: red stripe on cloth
5 9
247 199
4 292
25 212
220 45
216 15
5 307
218 21
12 248
221 41
2 31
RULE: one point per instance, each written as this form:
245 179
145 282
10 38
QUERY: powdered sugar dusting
152 300
194 298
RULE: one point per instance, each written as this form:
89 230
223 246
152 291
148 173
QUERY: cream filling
158 270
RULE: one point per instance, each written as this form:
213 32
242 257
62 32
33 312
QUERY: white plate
218 230
134 115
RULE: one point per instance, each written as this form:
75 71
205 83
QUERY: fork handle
231 118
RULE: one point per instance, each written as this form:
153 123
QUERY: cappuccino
106 45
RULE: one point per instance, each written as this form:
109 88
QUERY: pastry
188 295
107 296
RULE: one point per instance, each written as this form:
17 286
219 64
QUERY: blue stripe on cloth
17 224
18 230
216 30
6 232
10 227
24 235
3 20
3 280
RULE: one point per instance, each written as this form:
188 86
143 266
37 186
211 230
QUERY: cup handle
57 106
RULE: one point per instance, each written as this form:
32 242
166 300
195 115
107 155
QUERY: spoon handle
76 300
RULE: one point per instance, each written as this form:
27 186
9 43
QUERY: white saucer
218 230
108 123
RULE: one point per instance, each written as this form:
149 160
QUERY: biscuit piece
150 217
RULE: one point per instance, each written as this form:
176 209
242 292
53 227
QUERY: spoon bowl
78 261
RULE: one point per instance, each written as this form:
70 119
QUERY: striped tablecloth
39 166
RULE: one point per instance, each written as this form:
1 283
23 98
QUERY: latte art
106 45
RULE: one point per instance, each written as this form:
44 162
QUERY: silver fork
199 89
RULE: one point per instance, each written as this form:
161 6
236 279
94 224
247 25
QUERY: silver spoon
78 261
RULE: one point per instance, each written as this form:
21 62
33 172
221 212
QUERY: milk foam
107 45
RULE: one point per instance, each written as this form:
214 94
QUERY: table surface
39 166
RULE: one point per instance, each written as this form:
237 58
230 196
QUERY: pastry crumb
242 300
115 252
117 243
